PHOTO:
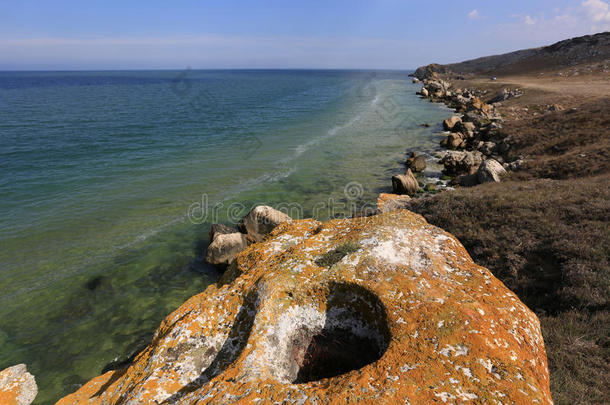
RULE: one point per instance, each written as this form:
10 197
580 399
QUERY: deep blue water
103 176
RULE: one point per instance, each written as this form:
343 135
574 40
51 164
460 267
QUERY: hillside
589 50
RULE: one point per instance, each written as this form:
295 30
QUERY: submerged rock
402 316
17 386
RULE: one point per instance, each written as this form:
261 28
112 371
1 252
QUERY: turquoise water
109 182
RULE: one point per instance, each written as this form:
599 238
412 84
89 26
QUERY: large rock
219 229
405 183
450 122
225 247
429 71
490 171
458 162
389 202
17 386
417 163
261 220
385 309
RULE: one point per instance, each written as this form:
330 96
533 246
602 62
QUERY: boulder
219 229
17 386
261 220
389 202
449 123
461 162
405 183
424 92
464 127
487 148
490 170
417 163
455 140
384 309
416 80
225 247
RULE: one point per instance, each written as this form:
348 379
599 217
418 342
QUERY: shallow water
109 182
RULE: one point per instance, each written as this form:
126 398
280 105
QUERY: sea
110 180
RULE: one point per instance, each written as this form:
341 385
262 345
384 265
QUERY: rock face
384 309
17 386
405 183
490 170
225 247
261 220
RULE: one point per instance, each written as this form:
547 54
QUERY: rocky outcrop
225 247
384 309
490 171
261 220
429 71
17 386
405 183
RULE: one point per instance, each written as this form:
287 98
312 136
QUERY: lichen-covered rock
384 309
17 386
261 220
417 163
389 202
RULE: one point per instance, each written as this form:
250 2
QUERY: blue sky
390 34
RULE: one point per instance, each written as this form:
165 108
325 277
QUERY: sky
334 34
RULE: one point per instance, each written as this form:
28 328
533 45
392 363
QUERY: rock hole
354 333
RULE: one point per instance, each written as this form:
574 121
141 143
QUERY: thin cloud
529 20
474 14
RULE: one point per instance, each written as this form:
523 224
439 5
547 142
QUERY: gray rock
261 220
461 162
17 386
490 171
225 247
219 229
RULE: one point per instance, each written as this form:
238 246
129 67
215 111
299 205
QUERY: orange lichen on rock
402 316
17 386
